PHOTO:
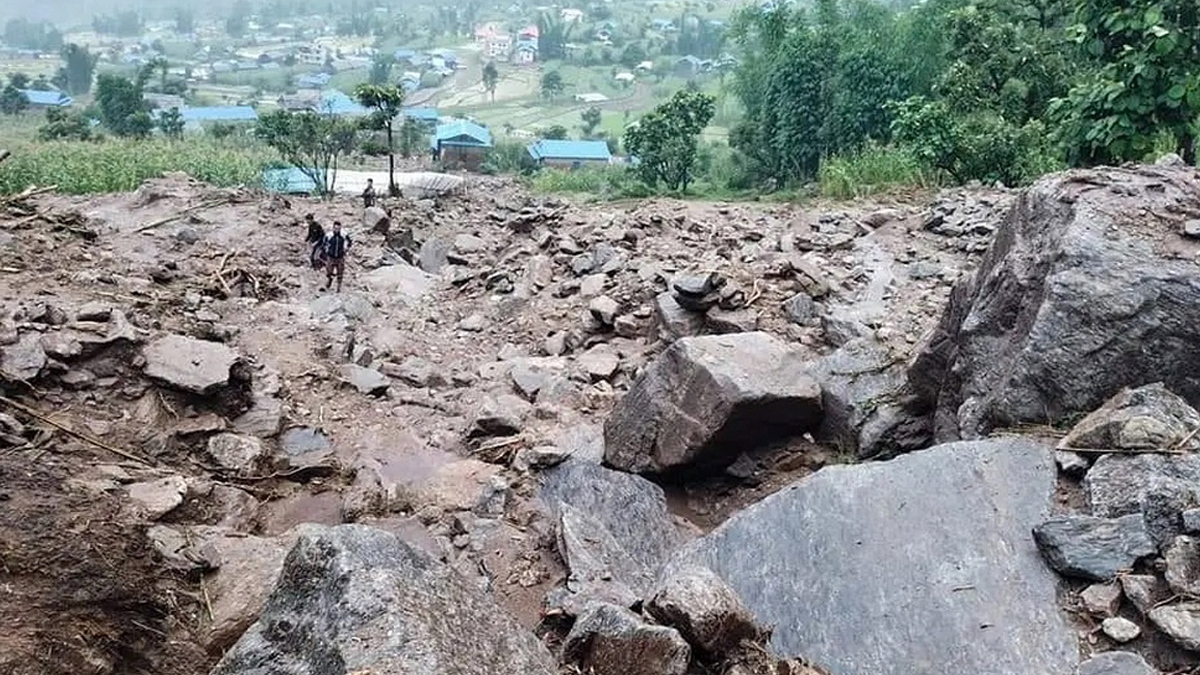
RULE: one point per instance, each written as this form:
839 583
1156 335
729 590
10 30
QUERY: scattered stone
366 601
1191 229
1141 590
704 609
604 310
673 321
473 323
592 285
159 497
555 344
1120 629
1146 419
1183 566
299 441
365 380
418 372
844 518
599 569
723 322
264 418
194 366
1191 521
1116 663
401 283
600 362
1101 599
1159 487
610 640
21 362
94 311
627 326
434 255
1071 463
539 458
800 309
705 400
698 293
499 416
1093 548
1180 622
375 219
239 454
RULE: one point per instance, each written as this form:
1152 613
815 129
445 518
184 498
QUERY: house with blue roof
461 144
334 102
46 99
403 54
425 116
569 154
312 80
290 181
195 119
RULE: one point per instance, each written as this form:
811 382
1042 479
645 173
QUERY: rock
610 640
1072 303
375 219
844 518
1145 419
264 418
582 441
604 310
541 457
528 378
233 508
240 454
723 322
469 243
1141 590
1191 229
1093 548
499 416
401 282
600 362
1116 663
1183 566
1071 463
194 366
842 325
365 380
356 599
418 372
697 285
1120 629
1191 521
800 309
597 566
157 498
555 344
434 255
705 400
673 321
1180 622
628 327
592 285
1159 487
705 611
1101 599
94 311
473 324
22 361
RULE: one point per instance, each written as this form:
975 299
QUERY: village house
499 46
569 154
460 144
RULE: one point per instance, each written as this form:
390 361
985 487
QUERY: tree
555 133
412 136
386 103
591 119
553 35
238 21
552 85
19 80
491 77
381 70
311 142
12 101
170 123
664 140
122 110
65 125
185 20
78 70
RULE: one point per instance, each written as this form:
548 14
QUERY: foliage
170 123
386 102
122 110
65 125
12 100
601 184
491 77
238 21
552 85
555 133
76 74
664 140
412 137
310 142
19 80
591 119
507 157
185 20
25 34
122 24
381 70
874 169
553 35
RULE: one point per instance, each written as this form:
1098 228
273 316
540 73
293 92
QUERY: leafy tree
412 137
664 140
552 85
238 21
76 74
170 123
12 101
381 70
591 119
491 77
65 125
311 142
633 54
25 34
19 80
386 103
122 110
555 133
553 36
185 20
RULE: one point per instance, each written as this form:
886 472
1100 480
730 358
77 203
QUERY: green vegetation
311 142
385 102
664 141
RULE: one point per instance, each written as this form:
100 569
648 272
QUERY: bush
873 170
601 183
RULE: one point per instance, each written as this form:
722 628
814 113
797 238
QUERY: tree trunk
392 189
1187 148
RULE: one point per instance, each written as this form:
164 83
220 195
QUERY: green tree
238 21
310 142
65 125
491 77
553 36
185 20
78 69
12 101
122 110
552 85
170 123
381 70
591 119
555 133
19 80
412 137
1146 81
664 140
386 103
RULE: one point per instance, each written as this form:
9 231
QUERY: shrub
872 170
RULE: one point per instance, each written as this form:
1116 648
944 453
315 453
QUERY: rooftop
461 132
229 113
50 98
582 150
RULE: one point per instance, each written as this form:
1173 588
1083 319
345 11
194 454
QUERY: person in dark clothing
368 194
335 246
315 238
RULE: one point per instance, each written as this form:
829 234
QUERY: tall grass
118 165
873 170
602 184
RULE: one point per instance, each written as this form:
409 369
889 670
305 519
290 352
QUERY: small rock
673 321
499 416
235 453
1116 663
1071 463
696 286
723 322
94 311
800 309
1101 599
881 217
159 497
541 457
1120 629
627 327
22 361
1180 622
555 344
473 323
365 380
1191 520
604 310
528 379
600 362
264 418
1191 229
375 219
194 366
704 609
1093 548
418 372
1144 419
469 243
1140 589
592 285
610 640
1183 566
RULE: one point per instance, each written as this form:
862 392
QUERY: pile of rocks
967 217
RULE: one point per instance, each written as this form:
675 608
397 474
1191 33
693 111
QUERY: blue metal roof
334 102
290 181
403 54
228 113
461 133
421 114
581 150
50 98
313 80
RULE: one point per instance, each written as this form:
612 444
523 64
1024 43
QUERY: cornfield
118 165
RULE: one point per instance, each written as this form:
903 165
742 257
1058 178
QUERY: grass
874 170
602 184
118 165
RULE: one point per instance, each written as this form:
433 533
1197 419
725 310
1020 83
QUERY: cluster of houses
497 44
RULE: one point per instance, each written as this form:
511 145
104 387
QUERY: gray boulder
1116 663
704 609
22 361
1159 487
1093 548
598 569
365 380
1183 566
672 321
1145 419
357 599
190 365
920 564
706 400
1180 622
1074 301
611 640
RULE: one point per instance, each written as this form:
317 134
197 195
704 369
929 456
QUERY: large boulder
611 640
194 366
706 400
1084 291
922 564
1146 419
1158 487
356 599
1093 548
704 609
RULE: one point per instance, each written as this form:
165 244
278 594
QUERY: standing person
335 246
368 194
315 240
